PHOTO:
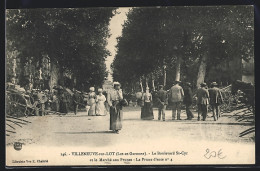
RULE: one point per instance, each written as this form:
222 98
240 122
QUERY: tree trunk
153 84
202 70
54 75
178 69
141 84
146 81
164 75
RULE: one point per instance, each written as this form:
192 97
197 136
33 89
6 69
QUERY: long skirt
116 117
92 107
101 109
64 107
147 111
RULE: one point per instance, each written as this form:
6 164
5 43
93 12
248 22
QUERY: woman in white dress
100 106
92 102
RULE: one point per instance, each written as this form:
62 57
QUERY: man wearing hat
216 99
202 101
113 99
187 100
75 98
175 98
162 97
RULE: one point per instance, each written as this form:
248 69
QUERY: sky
115 27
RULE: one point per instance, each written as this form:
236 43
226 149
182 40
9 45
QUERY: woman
114 97
92 102
100 106
147 109
63 103
187 100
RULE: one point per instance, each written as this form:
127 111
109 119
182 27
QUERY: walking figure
202 101
116 115
175 98
215 99
187 100
162 97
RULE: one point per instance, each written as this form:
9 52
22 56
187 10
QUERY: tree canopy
154 37
73 39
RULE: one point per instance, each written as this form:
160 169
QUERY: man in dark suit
215 99
202 101
75 99
63 102
162 98
187 100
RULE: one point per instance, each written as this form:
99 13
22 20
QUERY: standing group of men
178 95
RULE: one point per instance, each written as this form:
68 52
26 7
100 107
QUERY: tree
187 40
73 39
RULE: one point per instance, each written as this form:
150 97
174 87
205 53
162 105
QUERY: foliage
74 39
153 37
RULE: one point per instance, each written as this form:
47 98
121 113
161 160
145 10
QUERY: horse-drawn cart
18 103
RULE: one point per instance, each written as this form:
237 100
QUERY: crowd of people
174 97
100 103
178 95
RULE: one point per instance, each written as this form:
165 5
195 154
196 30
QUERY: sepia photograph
108 86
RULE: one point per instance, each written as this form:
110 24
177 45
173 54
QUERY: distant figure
75 101
114 97
55 102
92 102
139 96
85 100
63 102
202 101
187 100
215 99
147 109
134 99
162 97
42 100
175 98
100 106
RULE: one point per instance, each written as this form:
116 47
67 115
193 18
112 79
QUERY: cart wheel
17 105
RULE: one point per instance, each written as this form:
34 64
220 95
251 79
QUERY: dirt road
94 130
52 134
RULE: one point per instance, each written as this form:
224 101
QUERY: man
42 99
134 99
202 101
55 102
187 100
216 99
75 100
162 98
114 97
176 97
64 102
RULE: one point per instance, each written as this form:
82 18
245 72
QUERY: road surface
92 132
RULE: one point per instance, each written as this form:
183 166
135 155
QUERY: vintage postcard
130 86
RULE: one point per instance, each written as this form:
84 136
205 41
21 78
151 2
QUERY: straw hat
92 89
116 83
214 84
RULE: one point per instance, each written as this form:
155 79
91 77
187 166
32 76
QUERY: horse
248 90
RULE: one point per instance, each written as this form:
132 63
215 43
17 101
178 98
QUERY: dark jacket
187 99
162 97
215 96
203 96
75 98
